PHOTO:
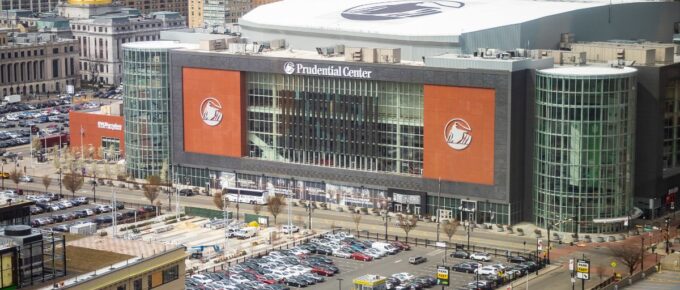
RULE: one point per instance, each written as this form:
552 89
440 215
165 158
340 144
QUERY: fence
204 212
449 246
612 284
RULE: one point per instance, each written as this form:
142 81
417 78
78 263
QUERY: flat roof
588 70
409 17
160 44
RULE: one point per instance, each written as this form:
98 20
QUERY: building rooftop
410 18
162 44
588 70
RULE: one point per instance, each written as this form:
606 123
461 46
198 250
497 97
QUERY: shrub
519 230
103 234
537 231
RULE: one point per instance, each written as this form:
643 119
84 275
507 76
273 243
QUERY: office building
37 63
35 6
102 28
195 14
150 6
219 13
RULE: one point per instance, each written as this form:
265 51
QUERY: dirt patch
83 260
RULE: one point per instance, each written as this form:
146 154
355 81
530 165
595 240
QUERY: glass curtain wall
146 107
583 151
671 126
342 123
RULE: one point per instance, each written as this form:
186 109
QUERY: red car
401 245
322 271
360 257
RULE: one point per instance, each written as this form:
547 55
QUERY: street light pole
340 283
60 194
439 196
668 233
94 187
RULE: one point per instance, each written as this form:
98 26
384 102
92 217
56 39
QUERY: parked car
417 260
290 229
517 259
465 267
481 256
486 270
26 178
186 192
460 254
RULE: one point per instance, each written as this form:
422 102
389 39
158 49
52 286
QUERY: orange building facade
100 136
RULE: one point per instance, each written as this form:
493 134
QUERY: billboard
214 106
459 134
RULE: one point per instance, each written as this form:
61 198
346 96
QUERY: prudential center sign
326 70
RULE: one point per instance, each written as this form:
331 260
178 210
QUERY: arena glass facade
351 140
584 148
146 106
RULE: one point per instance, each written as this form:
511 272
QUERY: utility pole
439 204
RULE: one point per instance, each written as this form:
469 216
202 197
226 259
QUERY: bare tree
35 143
407 223
450 227
73 181
15 176
275 204
257 209
356 218
219 201
629 253
151 188
46 181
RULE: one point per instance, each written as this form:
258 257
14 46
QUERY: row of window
153 280
34 52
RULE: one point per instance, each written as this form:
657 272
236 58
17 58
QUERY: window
170 274
55 50
137 284
121 287
111 147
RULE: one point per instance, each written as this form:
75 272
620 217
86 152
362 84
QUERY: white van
245 233
385 247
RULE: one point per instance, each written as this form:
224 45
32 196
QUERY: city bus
246 195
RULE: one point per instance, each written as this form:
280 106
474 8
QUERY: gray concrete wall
500 81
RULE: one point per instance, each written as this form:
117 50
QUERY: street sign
613 264
571 264
442 275
540 245
583 269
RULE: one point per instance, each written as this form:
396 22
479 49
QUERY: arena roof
410 17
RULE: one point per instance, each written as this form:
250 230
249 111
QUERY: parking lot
325 261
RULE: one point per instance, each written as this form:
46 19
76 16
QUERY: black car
533 266
428 281
460 254
105 219
324 250
295 282
120 205
517 259
464 267
186 192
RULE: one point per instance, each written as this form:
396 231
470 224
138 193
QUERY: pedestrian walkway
664 280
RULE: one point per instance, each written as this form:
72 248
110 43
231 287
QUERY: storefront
97 136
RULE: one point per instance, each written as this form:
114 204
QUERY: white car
402 277
480 256
487 270
341 253
372 254
290 229
26 178
201 279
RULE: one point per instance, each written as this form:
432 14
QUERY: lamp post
340 283
386 217
668 221
642 253
94 187
60 194
439 196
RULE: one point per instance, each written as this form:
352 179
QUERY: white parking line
397 261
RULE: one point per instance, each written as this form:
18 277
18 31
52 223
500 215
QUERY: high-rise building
149 6
37 63
584 148
195 13
222 12
36 6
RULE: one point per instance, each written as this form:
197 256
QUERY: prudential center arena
450 109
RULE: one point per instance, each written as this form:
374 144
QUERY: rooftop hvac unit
326 51
340 49
620 53
238 48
